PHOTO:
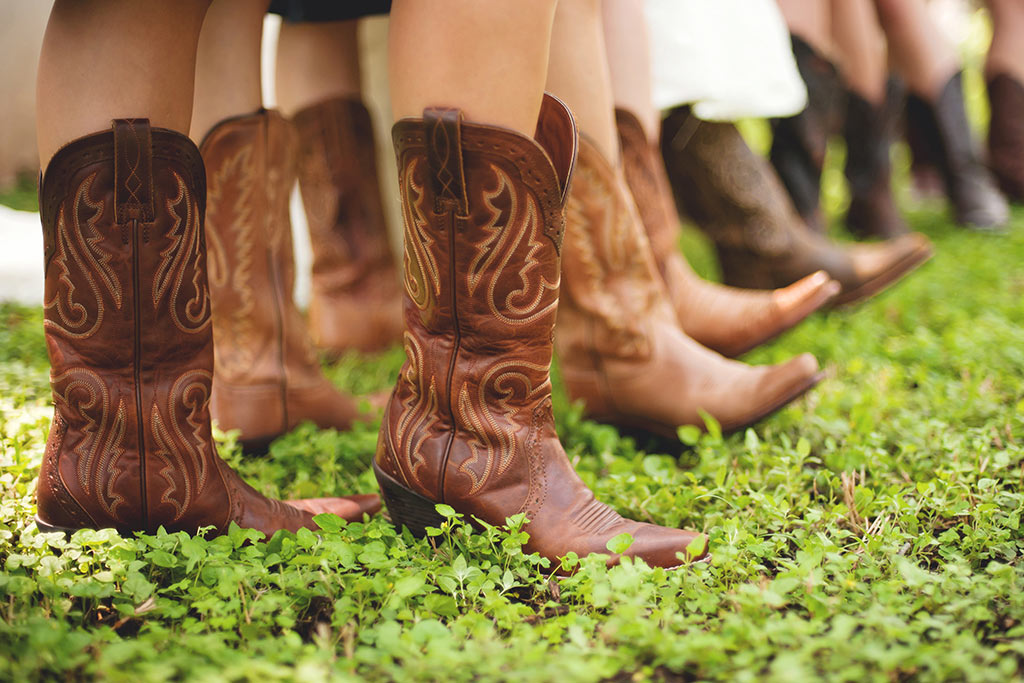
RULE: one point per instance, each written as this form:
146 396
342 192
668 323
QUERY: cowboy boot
737 200
620 347
800 142
977 204
128 331
356 301
727 320
267 377
1006 134
869 131
469 423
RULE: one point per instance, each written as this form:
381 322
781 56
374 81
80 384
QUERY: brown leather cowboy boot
356 299
620 347
738 201
799 142
128 331
1006 134
869 130
469 423
267 377
971 190
725 319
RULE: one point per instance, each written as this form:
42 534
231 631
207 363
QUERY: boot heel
53 529
407 508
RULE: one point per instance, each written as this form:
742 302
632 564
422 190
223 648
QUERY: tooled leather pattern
338 179
733 192
233 247
602 234
92 472
512 280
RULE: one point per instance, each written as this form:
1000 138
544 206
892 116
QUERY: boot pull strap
443 132
133 170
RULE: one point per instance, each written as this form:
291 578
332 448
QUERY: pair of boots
937 130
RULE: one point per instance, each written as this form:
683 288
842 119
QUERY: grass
868 532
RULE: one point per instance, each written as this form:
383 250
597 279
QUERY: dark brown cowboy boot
356 299
1006 134
976 201
268 378
869 130
128 331
620 347
725 319
800 142
738 201
469 423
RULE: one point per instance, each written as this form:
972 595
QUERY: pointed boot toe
877 266
669 548
350 508
762 315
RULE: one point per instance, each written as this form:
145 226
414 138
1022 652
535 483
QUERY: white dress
730 59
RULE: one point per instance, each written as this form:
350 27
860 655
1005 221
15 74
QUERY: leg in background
1004 71
127 304
860 48
316 61
874 105
936 114
917 50
800 142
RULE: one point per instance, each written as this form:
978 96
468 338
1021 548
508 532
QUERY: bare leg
489 59
810 20
579 75
228 72
1006 53
629 60
917 50
860 48
316 61
102 60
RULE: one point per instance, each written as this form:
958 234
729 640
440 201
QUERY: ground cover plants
868 532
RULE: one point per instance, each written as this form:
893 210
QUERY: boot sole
47 528
405 507
884 280
670 434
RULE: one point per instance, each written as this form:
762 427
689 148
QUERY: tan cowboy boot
469 423
127 317
728 320
620 347
737 200
356 299
267 377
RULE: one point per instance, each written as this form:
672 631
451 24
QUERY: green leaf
619 544
688 434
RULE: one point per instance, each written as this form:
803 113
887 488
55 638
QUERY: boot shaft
338 180
128 331
483 215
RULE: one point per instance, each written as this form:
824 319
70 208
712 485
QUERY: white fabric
730 59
